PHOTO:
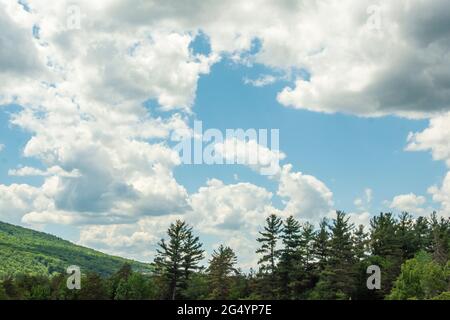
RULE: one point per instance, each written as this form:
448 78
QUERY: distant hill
31 252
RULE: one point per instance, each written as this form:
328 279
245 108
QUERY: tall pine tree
220 270
177 258
270 254
337 281
289 258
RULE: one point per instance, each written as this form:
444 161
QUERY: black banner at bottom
248 310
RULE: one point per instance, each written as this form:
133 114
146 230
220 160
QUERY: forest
296 262
25 251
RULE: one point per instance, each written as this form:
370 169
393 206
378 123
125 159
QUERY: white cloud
261 81
252 154
410 203
364 58
359 218
242 206
2 146
435 138
15 200
399 68
441 195
306 197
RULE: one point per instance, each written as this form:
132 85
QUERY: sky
93 94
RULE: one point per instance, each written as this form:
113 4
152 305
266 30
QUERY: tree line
296 261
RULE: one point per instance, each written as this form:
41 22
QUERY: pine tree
361 243
307 246
221 268
440 235
422 235
270 255
386 245
304 276
337 281
406 235
177 258
289 258
269 238
321 246
193 254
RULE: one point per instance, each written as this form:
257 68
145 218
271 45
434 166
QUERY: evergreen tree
337 281
177 258
289 258
269 238
361 243
321 246
93 287
440 235
406 235
193 254
221 268
422 235
307 245
386 245
270 255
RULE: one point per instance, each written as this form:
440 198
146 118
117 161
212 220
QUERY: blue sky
87 109
349 153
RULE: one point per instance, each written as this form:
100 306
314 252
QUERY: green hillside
31 252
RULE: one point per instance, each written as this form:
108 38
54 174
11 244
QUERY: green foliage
440 239
198 287
288 266
221 268
442 296
24 251
420 278
337 281
296 262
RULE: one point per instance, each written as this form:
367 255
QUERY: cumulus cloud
243 206
82 94
410 203
137 241
441 195
372 60
305 196
250 153
16 200
435 138
360 219
364 58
